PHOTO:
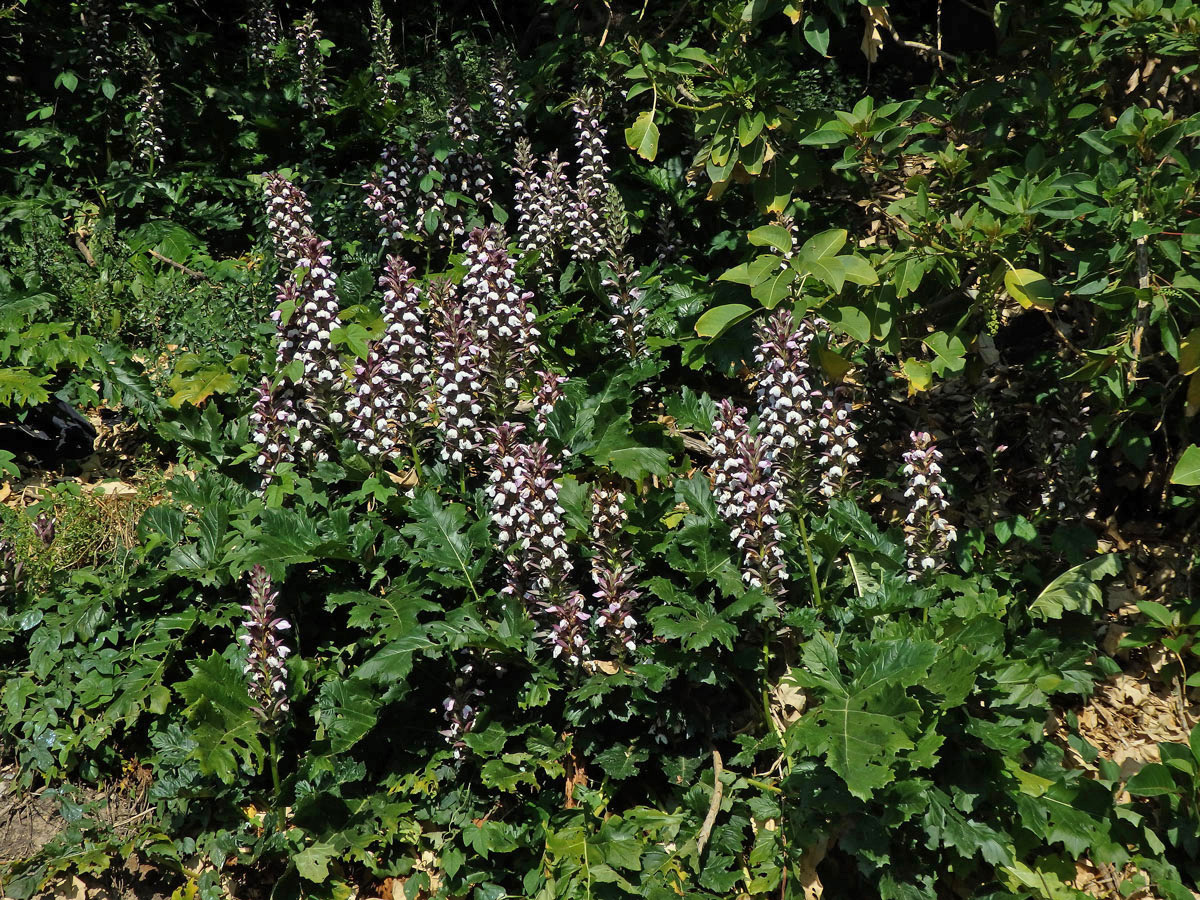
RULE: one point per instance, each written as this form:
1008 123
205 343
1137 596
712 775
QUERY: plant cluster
685 463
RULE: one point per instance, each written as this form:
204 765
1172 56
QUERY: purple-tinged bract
262 632
747 492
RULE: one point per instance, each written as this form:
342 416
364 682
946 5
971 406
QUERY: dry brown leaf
810 881
114 489
874 18
407 478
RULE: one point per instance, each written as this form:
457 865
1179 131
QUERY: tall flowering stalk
306 337
314 89
786 414
549 593
386 407
272 428
409 194
506 112
383 60
503 321
265 34
460 709
289 217
506 480
466 173
837 444
542 201
747 492
390 193
317 315
368 413
628 315
612 570
45 527
96 17
591 187
261 633
404 348
149 138
927 532
549 392
529 519
668 235
457 376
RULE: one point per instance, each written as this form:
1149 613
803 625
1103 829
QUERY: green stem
812 566
416 458
274 751
766 686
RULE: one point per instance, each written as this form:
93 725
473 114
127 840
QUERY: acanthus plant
786 413
389 194
837 443
97 22
410 192
466 172
265 667
627 317
586 214
383 60
747 489
810 432
289 217
460 709
928 533
525 508
506 111
149 139
546 394
457 375
498 309
388 395
272 428
668 235
542 201
264 33
12 569
262 634
313 86
305 338
613 570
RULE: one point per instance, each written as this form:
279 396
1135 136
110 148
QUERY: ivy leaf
1029 288
950 352
720 319
620 762
1187 470
775 236
313 862
354 337
642 136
